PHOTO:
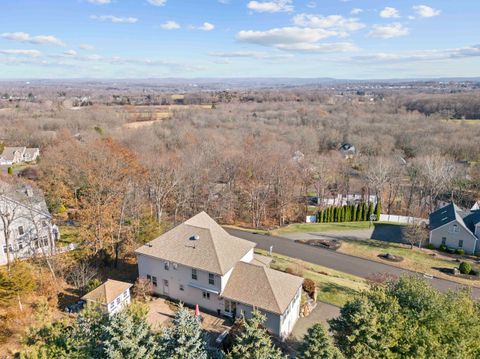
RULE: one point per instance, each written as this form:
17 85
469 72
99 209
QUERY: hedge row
349 213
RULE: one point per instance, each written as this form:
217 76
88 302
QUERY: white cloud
389 31
115 19
206 26
157 2
334 22
426 11
99 2
39 39
250 54
70 53
29 53
271 6
87 47
424 55
294 39
170 25
356 11
389 12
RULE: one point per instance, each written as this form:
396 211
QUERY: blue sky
355 39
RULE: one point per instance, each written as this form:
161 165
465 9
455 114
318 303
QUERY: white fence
401 219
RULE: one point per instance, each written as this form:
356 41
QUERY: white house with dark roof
198 262
455 228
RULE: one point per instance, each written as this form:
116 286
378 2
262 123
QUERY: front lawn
320 227
416 259
334 287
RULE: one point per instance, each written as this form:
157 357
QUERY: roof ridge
215 250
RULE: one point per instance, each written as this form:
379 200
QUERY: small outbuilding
113 296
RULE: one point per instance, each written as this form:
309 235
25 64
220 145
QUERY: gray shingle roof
215 251
451 212
262 287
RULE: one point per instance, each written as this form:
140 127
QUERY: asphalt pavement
342 262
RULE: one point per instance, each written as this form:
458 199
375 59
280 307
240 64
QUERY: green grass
321 227
68 234
251 230
334 287
418 260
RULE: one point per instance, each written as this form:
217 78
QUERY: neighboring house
25 217
112 296
348 150
455 228
198 262
31 154
178 99
13 155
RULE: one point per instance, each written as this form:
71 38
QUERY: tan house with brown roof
112 295
198 262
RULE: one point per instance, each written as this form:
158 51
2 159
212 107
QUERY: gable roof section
107 292
450 213
262 287
214 251
9 152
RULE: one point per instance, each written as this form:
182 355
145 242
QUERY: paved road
338 261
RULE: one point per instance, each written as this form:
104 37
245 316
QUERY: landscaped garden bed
322 243
390 257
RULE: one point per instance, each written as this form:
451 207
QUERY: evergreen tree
408 318
128 336
354 213
318 345
378 210
254 342
360 212
370 211
320 216
365 214
184 339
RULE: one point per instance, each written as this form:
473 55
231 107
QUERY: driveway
338 261
322 313
379 231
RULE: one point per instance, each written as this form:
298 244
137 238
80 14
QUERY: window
44 223
175 266
455 228
165 283
194 274
125 294
118 301
211 278
460 243
206 295
167 265
154 281
181 287
111 305
21 232
444 240
149 277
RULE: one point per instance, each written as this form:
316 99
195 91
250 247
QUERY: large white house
198 262
25 222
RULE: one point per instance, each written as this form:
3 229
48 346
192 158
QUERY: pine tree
378 210
128 336
354 215
184 340
254 342
318 345
370 211
360 212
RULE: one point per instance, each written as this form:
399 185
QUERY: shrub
443 248
465 268
430 246
460 251
309 286
10 170
291 270
450 250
